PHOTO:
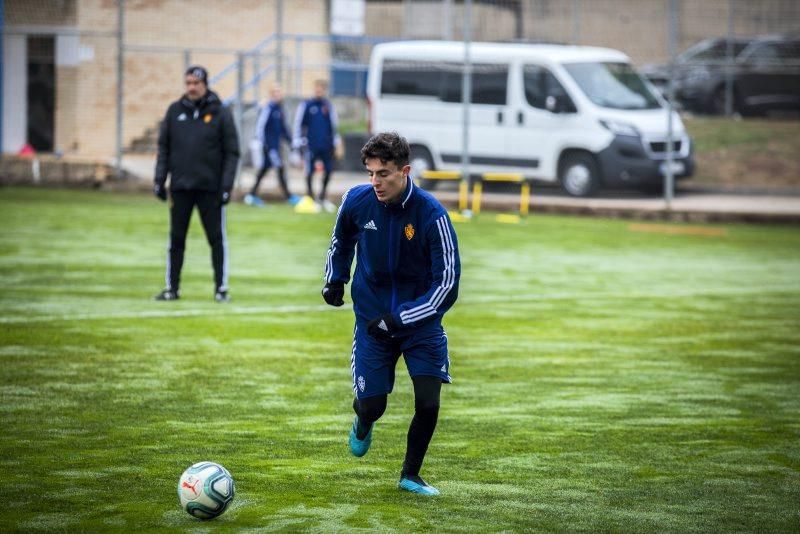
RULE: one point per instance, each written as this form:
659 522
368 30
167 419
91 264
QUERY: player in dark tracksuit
198 148
270 129
406 278
315 128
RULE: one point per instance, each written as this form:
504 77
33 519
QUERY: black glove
382 327
160 191
333 293
224 197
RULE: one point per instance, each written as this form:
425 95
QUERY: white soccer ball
205 490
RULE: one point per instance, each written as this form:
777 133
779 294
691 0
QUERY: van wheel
579 175
421 161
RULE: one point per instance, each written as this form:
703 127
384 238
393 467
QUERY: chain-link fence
92 78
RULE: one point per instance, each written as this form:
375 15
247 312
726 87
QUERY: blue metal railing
298 39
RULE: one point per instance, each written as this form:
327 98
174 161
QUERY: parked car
581 116
765 75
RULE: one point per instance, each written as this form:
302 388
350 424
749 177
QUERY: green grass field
607 377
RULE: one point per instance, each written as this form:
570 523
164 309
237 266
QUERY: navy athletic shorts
325 156
373 361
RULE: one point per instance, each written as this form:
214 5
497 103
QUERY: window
765 54
489 84
443 80
613 85
410 78
790 52
539 84
711 51
452 75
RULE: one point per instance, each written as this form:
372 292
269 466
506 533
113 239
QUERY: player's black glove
333 293
160 191
382 327
224 197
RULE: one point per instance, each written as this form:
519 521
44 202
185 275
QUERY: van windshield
613 85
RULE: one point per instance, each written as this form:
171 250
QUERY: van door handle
520 118
499 117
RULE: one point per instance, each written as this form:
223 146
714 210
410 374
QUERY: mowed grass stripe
603 379
509 300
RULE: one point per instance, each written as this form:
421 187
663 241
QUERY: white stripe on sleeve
429 307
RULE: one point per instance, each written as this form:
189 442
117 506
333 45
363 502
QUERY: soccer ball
205 490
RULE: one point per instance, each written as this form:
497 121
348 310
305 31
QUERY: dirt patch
678 230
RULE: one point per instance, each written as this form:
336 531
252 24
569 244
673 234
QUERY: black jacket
198 146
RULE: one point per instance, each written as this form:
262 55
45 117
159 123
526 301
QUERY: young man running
406 278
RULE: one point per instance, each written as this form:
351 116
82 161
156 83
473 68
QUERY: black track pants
212 215
427 390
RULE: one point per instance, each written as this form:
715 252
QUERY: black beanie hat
198 72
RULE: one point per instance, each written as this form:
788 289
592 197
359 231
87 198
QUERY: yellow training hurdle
524 194
463 190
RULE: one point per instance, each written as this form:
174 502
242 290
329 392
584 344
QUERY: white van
579 115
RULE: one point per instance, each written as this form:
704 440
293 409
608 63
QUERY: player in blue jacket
270 129
406 278
315 126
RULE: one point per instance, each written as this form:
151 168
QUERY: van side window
489 84
451 82
539 84
443 81
410 78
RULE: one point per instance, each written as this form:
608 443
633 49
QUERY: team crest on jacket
409 231
207 118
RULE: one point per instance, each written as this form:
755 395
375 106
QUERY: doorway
41 92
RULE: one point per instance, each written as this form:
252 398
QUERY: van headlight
619 128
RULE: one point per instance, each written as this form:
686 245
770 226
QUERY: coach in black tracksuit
198 148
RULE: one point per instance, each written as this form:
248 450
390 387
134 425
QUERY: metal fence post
256 57
729 63
298 70
407 18
669 178
120 81
447 20
576 22
238 110
187 59
2 96
279 42
466 91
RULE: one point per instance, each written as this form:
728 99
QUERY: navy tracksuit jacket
317 122
271 127
408 261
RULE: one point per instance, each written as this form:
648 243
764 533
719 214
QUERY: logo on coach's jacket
182 117
207 118
409 230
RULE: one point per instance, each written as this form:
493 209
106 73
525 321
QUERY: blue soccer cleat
359 447
293 200
253 200
415 484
